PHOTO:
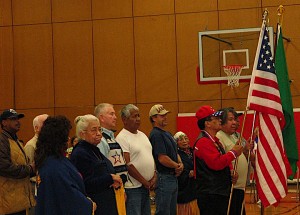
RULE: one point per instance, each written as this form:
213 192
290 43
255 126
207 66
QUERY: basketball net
233 74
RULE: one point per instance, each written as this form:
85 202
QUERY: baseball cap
158 109
10 113
206 111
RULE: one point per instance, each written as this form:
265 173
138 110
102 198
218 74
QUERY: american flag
271 162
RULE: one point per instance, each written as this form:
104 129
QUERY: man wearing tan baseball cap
167 160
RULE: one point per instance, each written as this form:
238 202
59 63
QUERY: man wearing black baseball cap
15 170
212 164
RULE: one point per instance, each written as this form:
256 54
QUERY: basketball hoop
233 74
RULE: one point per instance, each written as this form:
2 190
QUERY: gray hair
100 108
37 120
82 122
225 114
125 111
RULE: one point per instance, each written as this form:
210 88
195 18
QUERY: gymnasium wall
66 56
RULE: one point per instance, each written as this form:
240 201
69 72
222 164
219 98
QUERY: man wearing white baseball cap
168 162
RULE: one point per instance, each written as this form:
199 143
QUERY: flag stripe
266 81
269 96
264 98
263 109
271 173
276 149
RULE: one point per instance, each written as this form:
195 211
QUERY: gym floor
290 205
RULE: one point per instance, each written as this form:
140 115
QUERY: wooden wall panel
71 10
5 12
33 66
187 28
73 64
72 112
111 9
114 61
231 19
193 106
266 3
26 132
31 11
152 7
6 68
181 6
233 4
238 104
123 51
155 55
146 126
296 101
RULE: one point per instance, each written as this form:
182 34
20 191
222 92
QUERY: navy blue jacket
96 171
187 186
61 189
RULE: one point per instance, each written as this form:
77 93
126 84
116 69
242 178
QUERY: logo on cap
158 109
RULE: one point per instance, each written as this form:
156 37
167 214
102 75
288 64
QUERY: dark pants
18 213
237 202
213 204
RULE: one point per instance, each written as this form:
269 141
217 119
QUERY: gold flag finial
266 17
280 12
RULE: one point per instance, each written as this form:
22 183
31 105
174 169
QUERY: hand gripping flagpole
236 161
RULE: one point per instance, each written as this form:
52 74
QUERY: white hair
37 121
178 135
100 108
82 122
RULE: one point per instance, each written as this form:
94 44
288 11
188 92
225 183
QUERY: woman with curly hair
60 188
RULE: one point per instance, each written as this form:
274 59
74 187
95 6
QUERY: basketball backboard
227 47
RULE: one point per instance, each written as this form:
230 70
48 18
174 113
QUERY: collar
214 139
9 135
108 132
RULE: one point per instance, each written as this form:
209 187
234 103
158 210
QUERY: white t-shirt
140 150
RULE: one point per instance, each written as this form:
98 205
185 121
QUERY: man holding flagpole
212 164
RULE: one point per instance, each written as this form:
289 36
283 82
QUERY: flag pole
236 162
248 158
280 11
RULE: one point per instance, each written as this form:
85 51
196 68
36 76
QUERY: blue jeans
138 201
166 194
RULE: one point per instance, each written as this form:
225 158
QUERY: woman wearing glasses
97 171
